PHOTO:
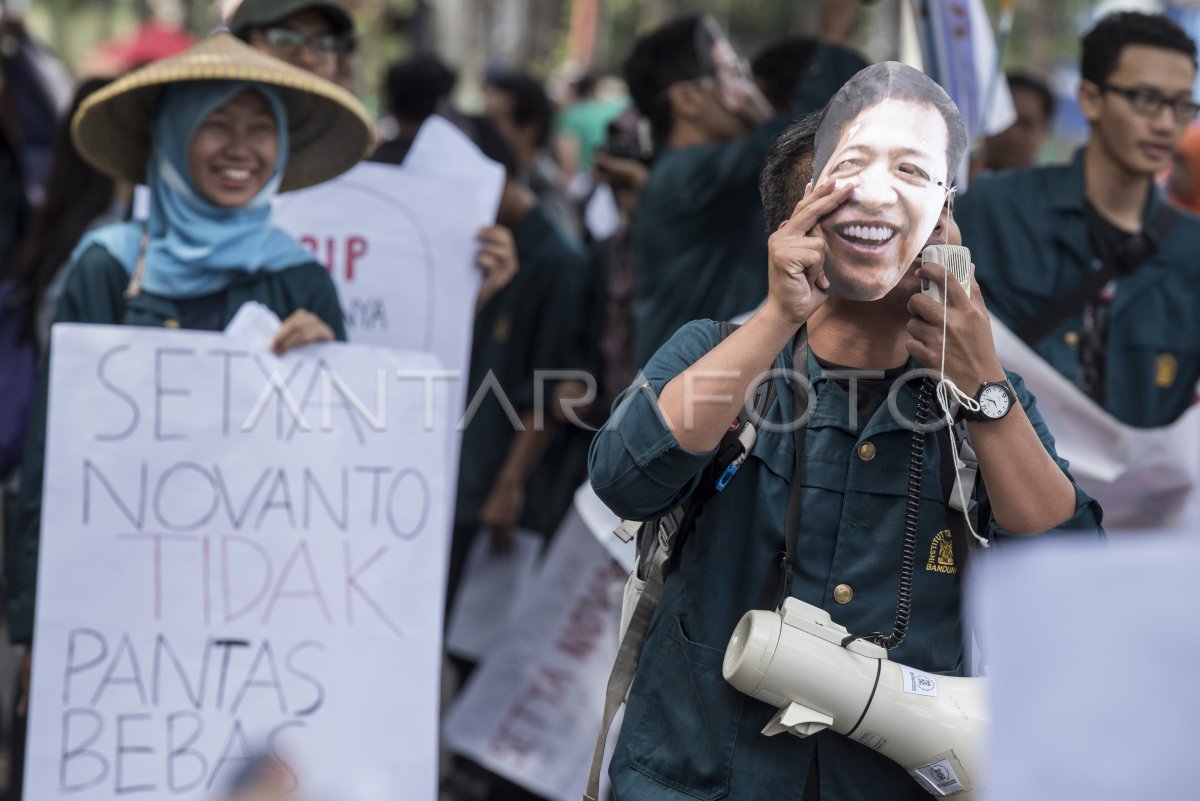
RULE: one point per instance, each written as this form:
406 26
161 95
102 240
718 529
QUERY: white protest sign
1142 477
488 592
401 250
240 554
531 711
1091 668
442 150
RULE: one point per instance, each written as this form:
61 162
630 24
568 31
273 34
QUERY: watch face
994 401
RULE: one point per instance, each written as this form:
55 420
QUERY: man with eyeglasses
315 35
1087 262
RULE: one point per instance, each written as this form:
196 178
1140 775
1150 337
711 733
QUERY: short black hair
788 169
1032 83
659 59
1102 45
891 80
416 85
531 104
778 68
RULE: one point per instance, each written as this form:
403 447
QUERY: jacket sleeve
636 465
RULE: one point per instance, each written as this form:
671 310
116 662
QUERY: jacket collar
1069 194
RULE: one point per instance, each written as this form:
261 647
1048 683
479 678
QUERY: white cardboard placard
229 569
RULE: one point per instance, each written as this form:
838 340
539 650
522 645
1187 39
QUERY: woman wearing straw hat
215 133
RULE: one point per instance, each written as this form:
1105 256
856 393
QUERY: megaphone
795 659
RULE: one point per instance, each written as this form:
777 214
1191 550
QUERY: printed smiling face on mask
893 134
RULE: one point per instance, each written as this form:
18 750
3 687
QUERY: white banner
1142 477
240 555
531 711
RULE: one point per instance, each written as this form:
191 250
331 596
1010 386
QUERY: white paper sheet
254 324
239 553
1091 655
488 592
531 711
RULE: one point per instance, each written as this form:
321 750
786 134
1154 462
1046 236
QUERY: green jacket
94 293
687 733
529 325
700 244
1029 240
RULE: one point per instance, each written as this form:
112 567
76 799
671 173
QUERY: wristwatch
995 400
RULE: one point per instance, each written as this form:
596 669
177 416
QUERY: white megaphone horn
794 659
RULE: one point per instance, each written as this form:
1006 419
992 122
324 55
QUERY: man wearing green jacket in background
699 238
1133 345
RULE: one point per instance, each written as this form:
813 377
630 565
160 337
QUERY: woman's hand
970 352
301 328
497 258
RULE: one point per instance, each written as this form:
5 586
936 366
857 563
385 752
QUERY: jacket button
1071 338
843 593
866 451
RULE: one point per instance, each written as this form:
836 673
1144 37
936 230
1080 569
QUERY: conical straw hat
329 130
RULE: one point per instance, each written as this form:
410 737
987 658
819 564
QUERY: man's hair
1032 83
491 142
659 59
416 85
531 105
892 81
1102 45
788 169
778 68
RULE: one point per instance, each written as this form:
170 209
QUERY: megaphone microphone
954 258
795 659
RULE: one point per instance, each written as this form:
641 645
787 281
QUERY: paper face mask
896 136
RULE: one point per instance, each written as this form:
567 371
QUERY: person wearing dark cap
315 35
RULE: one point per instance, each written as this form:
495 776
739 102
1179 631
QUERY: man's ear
1091 100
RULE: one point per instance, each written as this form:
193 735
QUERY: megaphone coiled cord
912 516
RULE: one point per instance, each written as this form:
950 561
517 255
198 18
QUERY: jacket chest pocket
1152 379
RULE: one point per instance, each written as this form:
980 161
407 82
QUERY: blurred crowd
631 206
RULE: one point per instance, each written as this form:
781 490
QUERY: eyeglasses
286 40
1149 103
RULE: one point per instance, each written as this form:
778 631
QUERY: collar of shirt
832 411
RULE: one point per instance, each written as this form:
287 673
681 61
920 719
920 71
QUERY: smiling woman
896 137
215 133
234 151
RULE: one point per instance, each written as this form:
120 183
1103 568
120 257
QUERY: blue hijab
196 248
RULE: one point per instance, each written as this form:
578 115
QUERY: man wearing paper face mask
895 137
848 471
